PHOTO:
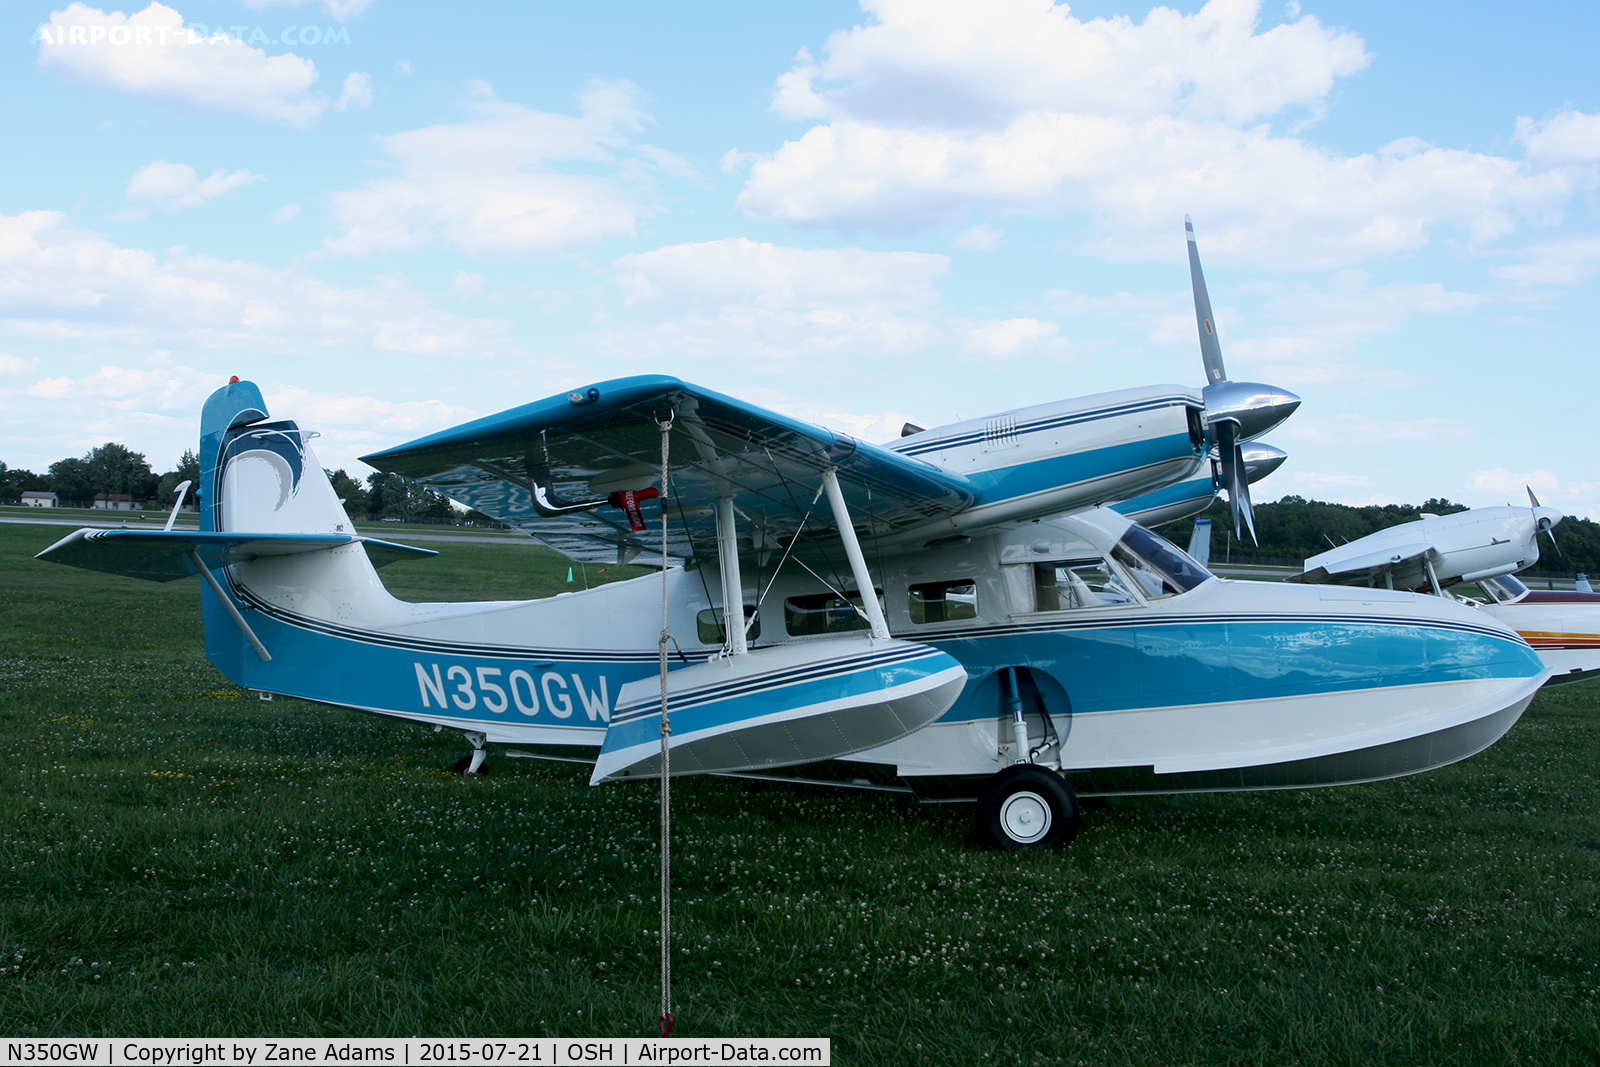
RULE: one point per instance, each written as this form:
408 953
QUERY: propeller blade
1533 500
1234 478
1210 347
1546 527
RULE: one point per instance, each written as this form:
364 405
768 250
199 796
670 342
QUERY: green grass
178 858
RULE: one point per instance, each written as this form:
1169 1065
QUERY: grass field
180 859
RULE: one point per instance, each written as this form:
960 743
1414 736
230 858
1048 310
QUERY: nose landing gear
1028 805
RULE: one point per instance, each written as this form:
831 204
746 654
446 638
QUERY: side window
824 613
1087 583
944 601
708 625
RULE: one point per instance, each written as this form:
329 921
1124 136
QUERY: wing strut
852 549
733 623
233 612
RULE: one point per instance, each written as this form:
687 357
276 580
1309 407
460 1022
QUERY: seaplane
1485 547
956 615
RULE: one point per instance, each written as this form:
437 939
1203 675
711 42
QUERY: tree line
1293 528
113 468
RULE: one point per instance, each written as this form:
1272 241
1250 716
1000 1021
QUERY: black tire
1028 806
460 766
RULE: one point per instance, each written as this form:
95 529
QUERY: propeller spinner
1545 518
1236 412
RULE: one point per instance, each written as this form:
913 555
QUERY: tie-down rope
665 1020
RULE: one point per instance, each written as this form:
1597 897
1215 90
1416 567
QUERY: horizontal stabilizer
163 555
1339 571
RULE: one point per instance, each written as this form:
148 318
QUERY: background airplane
1487 546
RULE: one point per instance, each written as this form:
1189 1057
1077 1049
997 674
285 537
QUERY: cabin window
944 601
825 613
709 625
1506 589
1160 567
1083 583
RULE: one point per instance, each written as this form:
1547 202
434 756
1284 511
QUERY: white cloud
1010 337
744 299
1568 137
357 92
979 238
877 427
1316 328
490 186
403 67
154 388
154 404
741 271
409 418
175 186
935 61
1513 485
936 109
62 283
151 55
16 366
666 162
284 214
1352 490
466 286
1363 431
1567 261
338 10
733 160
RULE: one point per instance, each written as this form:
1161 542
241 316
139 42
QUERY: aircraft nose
1257 408
1547 517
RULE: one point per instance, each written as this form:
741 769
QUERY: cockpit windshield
1160 567
1505 589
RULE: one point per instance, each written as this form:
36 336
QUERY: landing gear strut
1028 805
473 763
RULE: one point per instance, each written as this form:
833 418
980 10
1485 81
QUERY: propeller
1236 412
1545 521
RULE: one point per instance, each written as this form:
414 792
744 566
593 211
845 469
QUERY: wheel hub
1025 817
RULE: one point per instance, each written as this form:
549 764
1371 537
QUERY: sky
395 217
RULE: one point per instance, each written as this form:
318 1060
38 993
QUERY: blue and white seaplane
1485 547
954 615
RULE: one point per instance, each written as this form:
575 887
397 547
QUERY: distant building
113 502
34 498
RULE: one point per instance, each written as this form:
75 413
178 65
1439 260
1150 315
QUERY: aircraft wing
551 468
163 555
1358 569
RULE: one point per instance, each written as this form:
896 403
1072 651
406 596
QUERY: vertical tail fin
258 475
1200 542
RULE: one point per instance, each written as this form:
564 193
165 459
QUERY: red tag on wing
629 500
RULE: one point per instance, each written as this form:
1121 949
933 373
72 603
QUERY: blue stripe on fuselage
418 680
1164 664
1111 664
1034 476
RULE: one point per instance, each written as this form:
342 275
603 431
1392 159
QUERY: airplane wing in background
559 469
1360 569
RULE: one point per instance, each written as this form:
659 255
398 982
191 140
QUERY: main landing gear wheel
1028 806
